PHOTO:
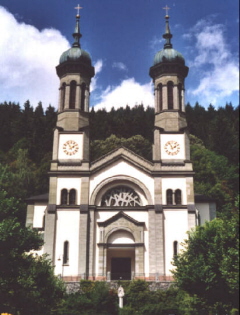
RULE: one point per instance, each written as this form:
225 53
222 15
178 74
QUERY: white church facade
121 216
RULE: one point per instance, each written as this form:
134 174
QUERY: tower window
64 197
65 252
169 197
170 94
72 99
180 96
178 197
63 93
160 96
83 90
175 248
72 197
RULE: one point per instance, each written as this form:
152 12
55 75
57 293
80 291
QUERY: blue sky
122 38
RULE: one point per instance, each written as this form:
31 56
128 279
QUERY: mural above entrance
121 196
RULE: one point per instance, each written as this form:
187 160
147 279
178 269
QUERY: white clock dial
70 147
172 147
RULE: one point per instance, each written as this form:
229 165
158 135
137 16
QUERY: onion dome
75 59
75 53
168 54
168 60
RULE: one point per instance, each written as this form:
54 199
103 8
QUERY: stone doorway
121 268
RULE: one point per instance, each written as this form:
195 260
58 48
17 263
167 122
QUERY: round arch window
121 196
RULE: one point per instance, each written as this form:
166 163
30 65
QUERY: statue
121 295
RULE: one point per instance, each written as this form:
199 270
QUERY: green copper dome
75 53
168 54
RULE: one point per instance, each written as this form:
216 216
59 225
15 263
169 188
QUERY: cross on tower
166 8
78 9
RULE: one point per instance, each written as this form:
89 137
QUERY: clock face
172 147
70 147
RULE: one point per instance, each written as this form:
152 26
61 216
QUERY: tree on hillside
27 283
137 144
208 267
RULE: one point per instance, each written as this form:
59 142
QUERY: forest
27 137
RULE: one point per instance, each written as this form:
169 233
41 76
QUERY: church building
121 216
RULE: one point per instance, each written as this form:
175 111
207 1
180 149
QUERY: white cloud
119 65
217 66
98 65
129 92
27 59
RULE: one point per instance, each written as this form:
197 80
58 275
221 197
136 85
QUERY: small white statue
121 292
121 295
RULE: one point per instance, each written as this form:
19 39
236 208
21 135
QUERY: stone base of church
74 286
149 278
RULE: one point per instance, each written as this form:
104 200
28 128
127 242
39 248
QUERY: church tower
69 172
174 191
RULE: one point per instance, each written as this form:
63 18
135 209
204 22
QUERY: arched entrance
120 255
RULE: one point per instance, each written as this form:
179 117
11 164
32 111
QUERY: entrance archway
121 255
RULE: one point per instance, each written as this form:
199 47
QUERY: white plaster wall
39 211
122 168
204 212
176 226
174 183
68 183
179 139
78 138
67 229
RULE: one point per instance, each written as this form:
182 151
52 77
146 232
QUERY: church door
121 268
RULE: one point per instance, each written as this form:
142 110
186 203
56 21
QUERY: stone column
156 98
91 244
165 97
60 100
183 100
67 96
139 260
87 94
175 97
78 95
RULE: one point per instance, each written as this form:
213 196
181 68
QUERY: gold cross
78 8
166 8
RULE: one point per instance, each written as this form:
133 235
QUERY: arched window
121 196
65 252
83 90
72 99
64 197
170 94
63 93
160 96
169 197
180 96
178 197
72 197
175 248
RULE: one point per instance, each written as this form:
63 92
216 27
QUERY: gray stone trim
83 244
50 235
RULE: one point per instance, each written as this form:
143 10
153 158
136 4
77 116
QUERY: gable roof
124 154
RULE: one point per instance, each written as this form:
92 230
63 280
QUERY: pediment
123 154
120 216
